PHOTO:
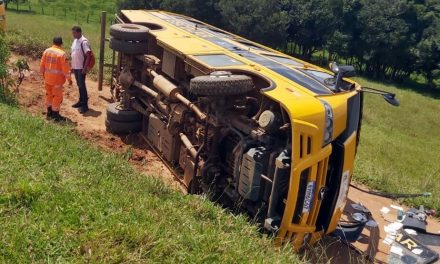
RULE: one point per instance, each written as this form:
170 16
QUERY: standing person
55 69
81 55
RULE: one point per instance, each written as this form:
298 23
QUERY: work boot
83 109
57 117
49 113
77 105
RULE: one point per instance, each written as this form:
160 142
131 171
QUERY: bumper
308 184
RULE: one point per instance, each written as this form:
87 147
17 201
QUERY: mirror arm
389 97
375 91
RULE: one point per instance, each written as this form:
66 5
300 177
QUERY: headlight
328 132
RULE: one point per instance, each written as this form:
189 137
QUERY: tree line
382 38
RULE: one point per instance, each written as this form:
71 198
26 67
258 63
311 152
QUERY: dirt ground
91 127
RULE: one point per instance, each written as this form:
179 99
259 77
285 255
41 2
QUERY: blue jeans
81 82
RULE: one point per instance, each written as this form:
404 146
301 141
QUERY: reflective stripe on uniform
51 60
54 71
55 52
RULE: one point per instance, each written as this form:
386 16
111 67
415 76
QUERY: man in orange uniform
55 68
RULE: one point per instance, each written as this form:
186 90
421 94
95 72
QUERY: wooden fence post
101 50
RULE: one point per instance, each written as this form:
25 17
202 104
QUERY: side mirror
389 97
341 72
334 67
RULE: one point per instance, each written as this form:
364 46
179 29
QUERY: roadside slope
62 200
399 150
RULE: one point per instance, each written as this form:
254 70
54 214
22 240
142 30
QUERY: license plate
308 199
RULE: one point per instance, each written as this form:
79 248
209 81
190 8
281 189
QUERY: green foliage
427 51
26 44
21 66
383 39
6 82
29 35
64 201
262 21
311 24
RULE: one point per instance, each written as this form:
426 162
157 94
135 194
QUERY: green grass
400 146
64 201
70 9
31 34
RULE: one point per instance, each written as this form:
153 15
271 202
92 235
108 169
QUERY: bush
25 44
6 82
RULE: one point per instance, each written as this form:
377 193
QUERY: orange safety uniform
56 69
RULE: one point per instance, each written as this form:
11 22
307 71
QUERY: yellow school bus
260 130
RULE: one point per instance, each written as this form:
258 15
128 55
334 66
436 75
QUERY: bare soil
91 127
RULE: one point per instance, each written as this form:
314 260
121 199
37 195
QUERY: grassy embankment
64 201
86 11
400 147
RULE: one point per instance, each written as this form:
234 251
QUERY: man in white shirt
81 54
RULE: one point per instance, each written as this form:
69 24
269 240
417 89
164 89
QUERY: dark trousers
81 82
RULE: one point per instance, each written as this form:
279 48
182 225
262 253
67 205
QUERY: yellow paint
410 244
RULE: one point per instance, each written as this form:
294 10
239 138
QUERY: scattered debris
411 231
396 207
393 228
385 210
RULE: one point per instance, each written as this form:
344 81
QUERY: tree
384 39
428 54
204 10
259 20
427 50
135 4
311 23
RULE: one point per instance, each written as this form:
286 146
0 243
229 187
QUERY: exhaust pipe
166 87
185 140
173 92
146 89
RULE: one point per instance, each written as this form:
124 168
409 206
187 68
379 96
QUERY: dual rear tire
120 121
129 38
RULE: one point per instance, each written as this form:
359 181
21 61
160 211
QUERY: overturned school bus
271 134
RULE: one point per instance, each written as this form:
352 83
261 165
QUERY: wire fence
88 16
